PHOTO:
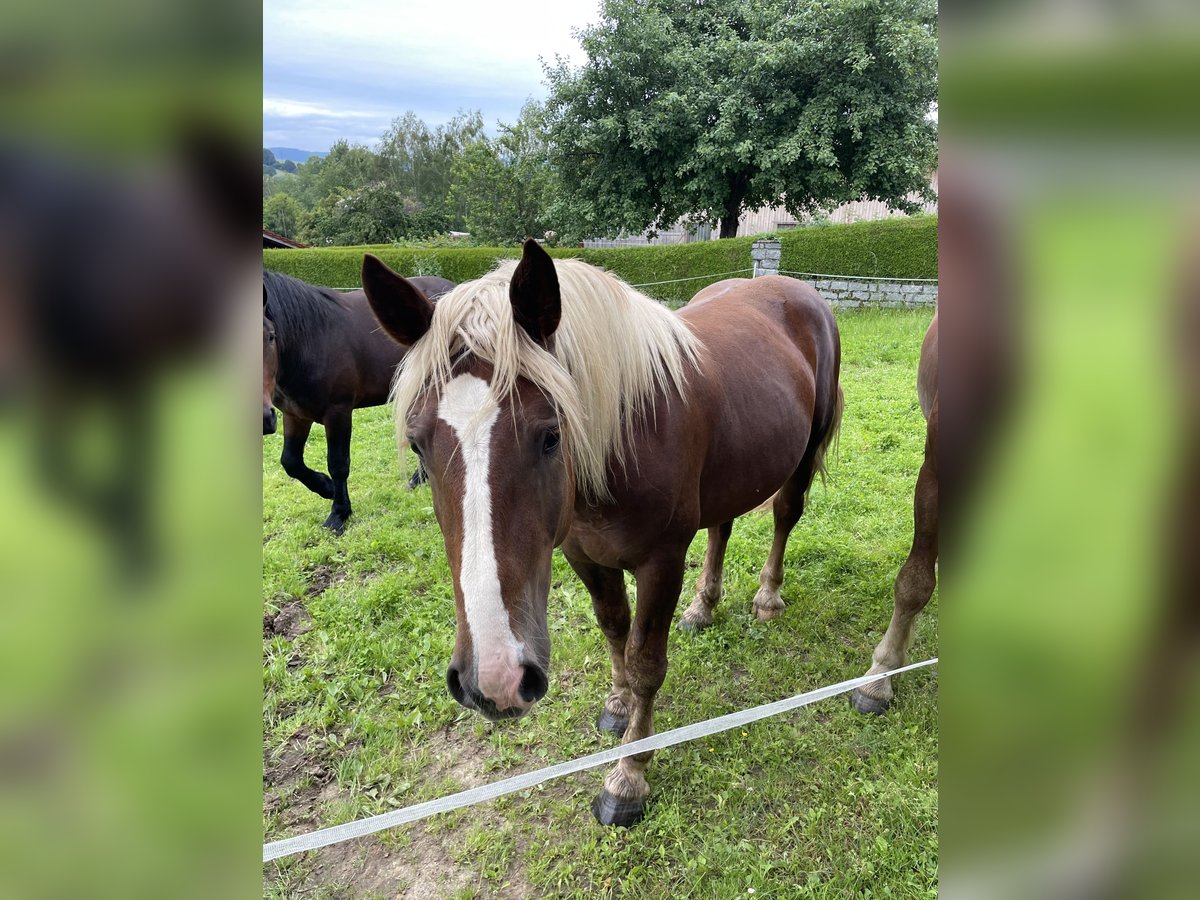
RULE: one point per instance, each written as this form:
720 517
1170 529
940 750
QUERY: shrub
888 248
900 248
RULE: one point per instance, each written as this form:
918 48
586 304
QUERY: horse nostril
533 685
455 686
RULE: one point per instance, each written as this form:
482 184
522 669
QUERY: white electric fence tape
691 278
338 833
887 278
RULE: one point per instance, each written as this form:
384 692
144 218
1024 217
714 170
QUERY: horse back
773 323
767 391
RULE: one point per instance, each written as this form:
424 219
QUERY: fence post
765 255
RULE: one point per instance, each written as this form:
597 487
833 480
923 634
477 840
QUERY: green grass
821 802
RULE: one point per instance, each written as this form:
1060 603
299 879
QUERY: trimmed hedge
887 248
899 248
340 267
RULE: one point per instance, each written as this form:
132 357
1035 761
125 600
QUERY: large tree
699 110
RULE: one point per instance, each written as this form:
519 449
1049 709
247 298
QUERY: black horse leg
115 498
295 436
130 498
337 439
419 477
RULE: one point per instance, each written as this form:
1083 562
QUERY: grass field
821 802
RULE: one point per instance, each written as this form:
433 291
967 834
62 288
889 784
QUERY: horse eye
270 338
415 449
550 442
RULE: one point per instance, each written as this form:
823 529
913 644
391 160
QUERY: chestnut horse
324 356
552 404
916 579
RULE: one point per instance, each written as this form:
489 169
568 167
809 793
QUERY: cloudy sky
345 69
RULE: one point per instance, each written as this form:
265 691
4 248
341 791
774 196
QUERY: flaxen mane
614 350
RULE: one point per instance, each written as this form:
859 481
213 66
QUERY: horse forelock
615 349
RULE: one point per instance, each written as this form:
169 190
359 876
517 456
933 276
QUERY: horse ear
403 311
534 293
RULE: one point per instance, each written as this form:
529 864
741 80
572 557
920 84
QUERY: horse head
503 488
270 368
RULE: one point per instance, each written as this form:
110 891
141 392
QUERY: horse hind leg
914 586
787 508
699 615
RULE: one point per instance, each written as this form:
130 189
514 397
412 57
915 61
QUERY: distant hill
298 156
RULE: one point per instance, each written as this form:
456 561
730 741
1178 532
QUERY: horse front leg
622 800
914 586
337 439
295 436
610 602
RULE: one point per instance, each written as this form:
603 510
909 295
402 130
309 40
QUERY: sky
346 69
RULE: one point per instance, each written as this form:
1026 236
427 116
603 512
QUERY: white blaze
467 406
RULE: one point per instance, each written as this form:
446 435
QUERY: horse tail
830 439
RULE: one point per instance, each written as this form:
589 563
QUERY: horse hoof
612 724
868 706
336 524
688 626
767 613
622 812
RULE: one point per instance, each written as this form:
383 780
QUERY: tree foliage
356 195
416 161
371 215
283 215
503 185
700 110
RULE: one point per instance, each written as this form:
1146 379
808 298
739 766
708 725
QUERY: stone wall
847 292
850 293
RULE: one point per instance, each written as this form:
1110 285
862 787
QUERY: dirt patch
295 783
419 871
424 868
290 622
459 758
323 578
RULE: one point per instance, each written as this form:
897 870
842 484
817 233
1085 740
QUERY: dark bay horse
916 579
324 356
553 405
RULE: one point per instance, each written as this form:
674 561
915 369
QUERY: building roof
278 241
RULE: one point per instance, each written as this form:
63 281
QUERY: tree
503 184
700 110
371 215
283 215
347 167
416 160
